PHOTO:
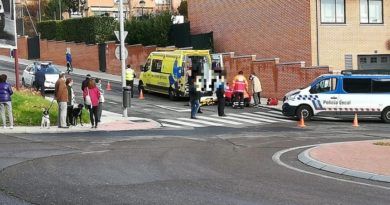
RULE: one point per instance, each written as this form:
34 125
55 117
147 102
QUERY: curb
305 158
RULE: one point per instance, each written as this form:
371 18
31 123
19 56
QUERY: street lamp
142 5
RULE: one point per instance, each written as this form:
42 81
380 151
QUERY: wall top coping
151 46
267 59
245 56
135 45
317 67
302 63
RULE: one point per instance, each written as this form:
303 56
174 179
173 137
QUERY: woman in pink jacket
94 94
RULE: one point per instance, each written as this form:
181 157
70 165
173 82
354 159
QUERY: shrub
27 109
90 30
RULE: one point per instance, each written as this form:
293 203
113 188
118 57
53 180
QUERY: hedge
90 30
148 30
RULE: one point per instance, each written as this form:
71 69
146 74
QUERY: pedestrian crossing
231 120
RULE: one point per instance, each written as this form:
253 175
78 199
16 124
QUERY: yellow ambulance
169 72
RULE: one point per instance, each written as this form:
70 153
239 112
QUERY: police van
168 72
341 96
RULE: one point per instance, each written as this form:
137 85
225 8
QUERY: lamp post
142 5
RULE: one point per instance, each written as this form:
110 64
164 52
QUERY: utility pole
39 10
59 2
122 47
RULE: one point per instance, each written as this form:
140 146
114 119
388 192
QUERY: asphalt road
198 165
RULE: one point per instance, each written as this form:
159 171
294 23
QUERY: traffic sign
117 34
117 53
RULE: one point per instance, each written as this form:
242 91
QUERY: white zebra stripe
169 125
200 121
241 120
182 123
273 117
220 119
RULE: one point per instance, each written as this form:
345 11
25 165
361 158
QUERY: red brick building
267 28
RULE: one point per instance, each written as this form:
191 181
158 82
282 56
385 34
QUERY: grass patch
27 109
382 143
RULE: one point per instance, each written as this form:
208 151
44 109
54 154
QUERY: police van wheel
386 115
305 112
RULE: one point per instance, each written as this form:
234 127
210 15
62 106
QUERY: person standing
84 84
221 100
240 85
256 88
40 78
130 75
5 101
194 99
94 94
61 95
71 101
98 82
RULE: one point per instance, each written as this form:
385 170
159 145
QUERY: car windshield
49 69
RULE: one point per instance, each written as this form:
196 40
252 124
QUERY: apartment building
131 7
344 34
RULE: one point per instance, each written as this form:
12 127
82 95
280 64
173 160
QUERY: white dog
45 119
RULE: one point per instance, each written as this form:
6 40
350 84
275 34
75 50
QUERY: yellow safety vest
129 74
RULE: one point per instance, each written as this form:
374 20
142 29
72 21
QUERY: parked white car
40 73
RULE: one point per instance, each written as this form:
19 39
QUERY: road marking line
261 119
169 125
201 121
276 112
280 117
277 160
218 120
114 103
242 120
176 109
182 123
272 118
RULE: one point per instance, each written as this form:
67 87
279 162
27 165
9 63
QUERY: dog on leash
45 123
77 113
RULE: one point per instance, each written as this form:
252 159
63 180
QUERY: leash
51 105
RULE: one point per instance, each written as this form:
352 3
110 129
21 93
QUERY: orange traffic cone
355 121
301 122
141 95
108 86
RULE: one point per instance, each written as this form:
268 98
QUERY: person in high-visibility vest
240 85
130 75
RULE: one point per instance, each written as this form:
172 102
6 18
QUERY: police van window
381 86
156 65
326 85
147 65
357 85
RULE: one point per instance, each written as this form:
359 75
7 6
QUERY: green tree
183 9
52 10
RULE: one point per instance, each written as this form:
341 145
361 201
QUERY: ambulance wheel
386 115
171 94
305 112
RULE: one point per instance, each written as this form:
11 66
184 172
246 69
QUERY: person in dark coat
221 100
194 99
5 101
40 81
84 84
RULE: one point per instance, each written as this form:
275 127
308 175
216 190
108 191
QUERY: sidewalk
110 122
362 159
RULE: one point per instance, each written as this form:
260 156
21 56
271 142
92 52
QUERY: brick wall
267 28
22 48
276 78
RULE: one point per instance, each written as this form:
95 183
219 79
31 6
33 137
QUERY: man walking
130 75
84 84
194 99
256 88
61 95
221 100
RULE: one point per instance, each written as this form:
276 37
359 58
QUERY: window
374 60
156 65
371 11
384 59
358 85
363 60
147 65
332 11
324 86
381 86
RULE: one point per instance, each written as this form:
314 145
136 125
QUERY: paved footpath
362 159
